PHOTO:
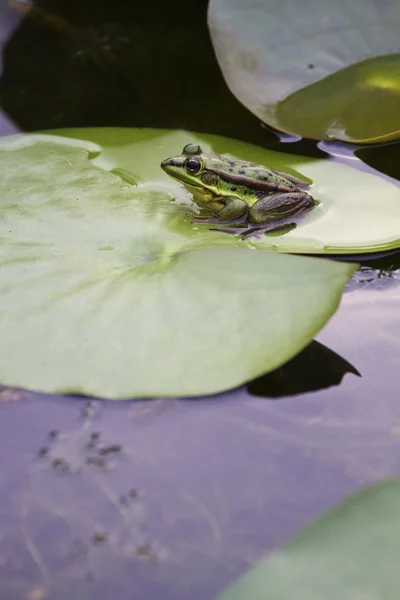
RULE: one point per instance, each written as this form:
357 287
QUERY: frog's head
196 171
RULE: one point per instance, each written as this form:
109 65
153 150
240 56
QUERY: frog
239 196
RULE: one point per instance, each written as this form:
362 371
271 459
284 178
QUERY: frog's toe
252 233
205 220
196 216
257 232
216 221
232 230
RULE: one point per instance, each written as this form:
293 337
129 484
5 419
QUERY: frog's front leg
278 210
234 210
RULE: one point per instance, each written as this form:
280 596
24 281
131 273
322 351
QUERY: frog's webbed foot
235 230
213 220
232 224
204 220
197 217
257 232
200 219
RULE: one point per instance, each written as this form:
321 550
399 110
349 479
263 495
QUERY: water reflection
174 499
376 278
315 368
379 160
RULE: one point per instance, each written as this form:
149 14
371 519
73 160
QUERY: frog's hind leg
272 213
279 209
257 232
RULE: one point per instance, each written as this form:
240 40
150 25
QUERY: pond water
175 498
178 497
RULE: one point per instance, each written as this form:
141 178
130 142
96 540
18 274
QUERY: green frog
239 193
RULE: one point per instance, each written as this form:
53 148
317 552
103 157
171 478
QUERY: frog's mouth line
187 183
183 182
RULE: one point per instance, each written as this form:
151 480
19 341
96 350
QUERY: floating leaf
358 212
107 289
351 552
325 70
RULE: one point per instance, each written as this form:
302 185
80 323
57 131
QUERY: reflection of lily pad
333 73
107 289
352 552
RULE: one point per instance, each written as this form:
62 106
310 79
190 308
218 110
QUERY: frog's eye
193 165
191 150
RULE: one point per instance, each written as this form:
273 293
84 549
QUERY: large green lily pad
107 289
324 70
351 553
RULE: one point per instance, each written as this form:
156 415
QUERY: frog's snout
172 166
166 163
169 163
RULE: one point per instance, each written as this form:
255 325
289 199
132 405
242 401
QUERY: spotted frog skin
238 193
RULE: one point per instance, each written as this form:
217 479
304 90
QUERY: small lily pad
321 70
351 552
107 289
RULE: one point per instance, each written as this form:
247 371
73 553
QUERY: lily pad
326 71
351 552
107 289
358 212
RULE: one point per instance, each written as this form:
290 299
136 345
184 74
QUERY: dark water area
175 498
86 63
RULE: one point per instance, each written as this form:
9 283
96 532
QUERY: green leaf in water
350 553
358 212
321 70
107 289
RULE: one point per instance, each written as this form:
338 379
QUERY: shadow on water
315 368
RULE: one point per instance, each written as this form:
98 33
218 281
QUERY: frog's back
246 169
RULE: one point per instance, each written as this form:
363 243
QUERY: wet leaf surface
353 551
136 301
327 71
